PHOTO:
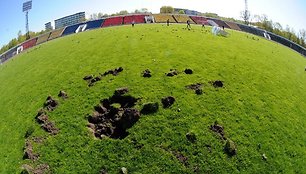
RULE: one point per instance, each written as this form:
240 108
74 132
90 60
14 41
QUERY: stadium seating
219 22
43 38
94 24
199 20
71 29
162 18
183 19
135 18
56 33
8 54
250 29
113 21
212 23
29 43
233 26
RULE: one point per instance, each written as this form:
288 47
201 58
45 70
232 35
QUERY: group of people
188 24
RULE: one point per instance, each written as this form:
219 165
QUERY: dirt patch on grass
43 119
219 130
40 169
188 71
114 115
191 137
173 72
230 148
50 104
197 87
63 94
91 79
146 73
181 158
168 101
28 151
149 108
217 83
113 72
121 91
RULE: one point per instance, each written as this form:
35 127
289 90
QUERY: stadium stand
233 26
212 23
94 24
183 19
199 20
219 22
71 29
250 29
159 18
112 21
43 38
56 33
162 18
136 18
287 43
8 54
29 43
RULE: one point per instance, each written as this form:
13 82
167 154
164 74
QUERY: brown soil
121 91
168 101
172 73
43 119
113 122
28 151
146 73
217 84
194 86
182 159
149 108
40 169
188 71
219 130
88 77
63 94
91 80
50 104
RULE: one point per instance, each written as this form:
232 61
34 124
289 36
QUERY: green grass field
262 106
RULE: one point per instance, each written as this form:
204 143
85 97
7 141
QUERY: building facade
48 26
70 20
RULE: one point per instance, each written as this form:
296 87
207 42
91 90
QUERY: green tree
166 9
181 12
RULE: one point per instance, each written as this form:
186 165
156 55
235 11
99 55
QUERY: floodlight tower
246 5
27 6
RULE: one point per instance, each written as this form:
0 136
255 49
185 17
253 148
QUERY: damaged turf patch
43 119
91 79
50 104
219 130
28 151
197 87
146 73
217 83
114 115
168 101
149 108
173 72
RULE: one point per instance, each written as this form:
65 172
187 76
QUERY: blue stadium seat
94 24
71 29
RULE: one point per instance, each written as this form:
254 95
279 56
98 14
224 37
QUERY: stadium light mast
246 5
26 7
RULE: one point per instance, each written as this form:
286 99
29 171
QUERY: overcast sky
287 12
